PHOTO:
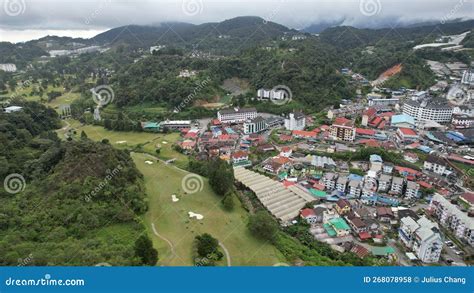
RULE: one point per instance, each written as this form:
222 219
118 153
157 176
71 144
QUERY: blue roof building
403 120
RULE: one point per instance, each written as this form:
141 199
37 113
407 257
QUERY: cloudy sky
22 20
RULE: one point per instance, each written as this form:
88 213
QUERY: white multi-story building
263 94
355 188
397 185
428 109
381 101
295 121
462 121
422 237
236 115
341 184
8 67
437 165
255 125
329 180
412 190
385 182
453 218
464 110
175 124
468 78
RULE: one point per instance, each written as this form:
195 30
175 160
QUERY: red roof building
240 155
407 131
284 137
360 251
318 186
468 198
287 183
191 135
375 122
342 121
365 132
364 236
382 124
407 134
425 184
407 171
304 134
370 143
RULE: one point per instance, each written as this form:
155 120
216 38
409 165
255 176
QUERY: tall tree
145 251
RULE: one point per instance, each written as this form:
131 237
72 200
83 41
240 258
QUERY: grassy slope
171 220
131 139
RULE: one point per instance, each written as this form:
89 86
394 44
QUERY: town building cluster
388 174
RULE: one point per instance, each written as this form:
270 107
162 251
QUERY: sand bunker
121 141
148 162
197 216
174 198
164 142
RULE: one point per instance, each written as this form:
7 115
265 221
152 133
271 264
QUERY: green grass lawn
172 221
149 141
65 99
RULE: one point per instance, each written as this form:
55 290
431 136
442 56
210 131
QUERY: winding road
227 254
164 239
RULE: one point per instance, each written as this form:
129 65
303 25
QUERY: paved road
173 253
227 255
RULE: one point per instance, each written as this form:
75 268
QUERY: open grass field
65 99
149 141
175 228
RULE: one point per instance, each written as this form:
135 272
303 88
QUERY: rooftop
407 131
339 224
403 118
237 110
